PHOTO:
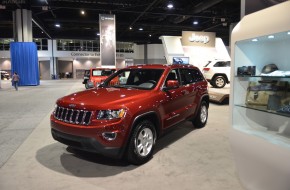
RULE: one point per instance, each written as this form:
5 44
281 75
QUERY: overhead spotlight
98 34
288 33
140 29
82 12
170 5
150 35
57 25
271 37
195 22
254 40
130 28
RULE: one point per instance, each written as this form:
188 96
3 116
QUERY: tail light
206 69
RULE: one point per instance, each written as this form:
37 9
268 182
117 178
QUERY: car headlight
111 114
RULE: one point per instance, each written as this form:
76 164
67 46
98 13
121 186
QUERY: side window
189 76
222 64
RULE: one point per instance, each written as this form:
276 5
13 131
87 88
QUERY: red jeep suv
125 118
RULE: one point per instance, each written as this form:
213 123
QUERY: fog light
110 136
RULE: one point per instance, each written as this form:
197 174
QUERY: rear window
207 64
222 64
102 72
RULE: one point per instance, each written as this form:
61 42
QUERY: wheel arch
205 98
151 116
221 74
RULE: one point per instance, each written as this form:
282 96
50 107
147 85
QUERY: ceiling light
57 25
195 22
271 37
170 5
140 29
150 35
288 33
254 40
82 12
130 28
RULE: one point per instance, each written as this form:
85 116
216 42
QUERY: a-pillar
22 25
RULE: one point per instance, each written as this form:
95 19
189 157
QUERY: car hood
103 98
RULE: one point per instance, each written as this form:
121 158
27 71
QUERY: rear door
181 103
191 83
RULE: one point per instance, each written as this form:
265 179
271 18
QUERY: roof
152 16
161 66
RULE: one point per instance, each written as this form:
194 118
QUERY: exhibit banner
203 39
107 39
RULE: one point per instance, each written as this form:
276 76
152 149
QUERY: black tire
144 137
202 115
219 82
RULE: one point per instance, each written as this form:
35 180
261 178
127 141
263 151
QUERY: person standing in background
15 80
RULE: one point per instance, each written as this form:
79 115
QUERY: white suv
217 73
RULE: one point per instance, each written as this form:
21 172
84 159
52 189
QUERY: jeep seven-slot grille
80 117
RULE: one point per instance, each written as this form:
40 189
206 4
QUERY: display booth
195 48
260 98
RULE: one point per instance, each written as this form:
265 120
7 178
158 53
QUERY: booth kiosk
182 50
260 117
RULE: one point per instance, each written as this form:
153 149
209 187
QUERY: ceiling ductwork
197 9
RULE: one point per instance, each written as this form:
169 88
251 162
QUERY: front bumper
90 138
87 144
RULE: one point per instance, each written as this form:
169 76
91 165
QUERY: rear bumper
87 144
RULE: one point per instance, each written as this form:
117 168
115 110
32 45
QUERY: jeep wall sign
204 39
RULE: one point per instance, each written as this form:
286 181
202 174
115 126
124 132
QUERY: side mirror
171 84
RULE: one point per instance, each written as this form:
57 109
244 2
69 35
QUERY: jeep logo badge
72 105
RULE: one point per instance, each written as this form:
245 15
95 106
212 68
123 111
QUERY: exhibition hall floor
184 159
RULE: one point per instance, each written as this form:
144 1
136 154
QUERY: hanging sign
107 39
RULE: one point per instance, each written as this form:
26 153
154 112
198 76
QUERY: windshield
102 72
135 78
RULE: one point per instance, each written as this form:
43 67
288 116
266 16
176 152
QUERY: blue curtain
24 61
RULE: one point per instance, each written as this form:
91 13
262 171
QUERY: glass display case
260 98
263 99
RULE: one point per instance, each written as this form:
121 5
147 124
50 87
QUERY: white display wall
260 135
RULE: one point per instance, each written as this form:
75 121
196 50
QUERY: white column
22 25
